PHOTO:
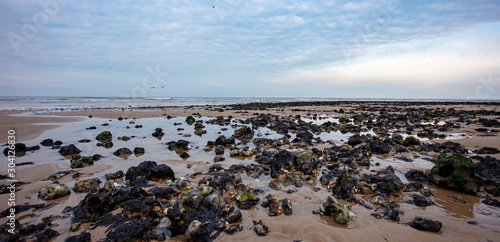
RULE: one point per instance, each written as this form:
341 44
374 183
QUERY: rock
158 133
139 151
104 136
91 128
114 176
341 213
151 171
124 138
426 225
78 161
53 192
454 172
276 184
487 150
222 140
387 182
106 144
492 188
244 131
379 199
123 152
69 150
380 148
179 145
47 142
411 141
88 185
58 175
260 228
19 149
184 155
355 140
190 120
82 237
491 201
84 141
388 211
219 159
421 201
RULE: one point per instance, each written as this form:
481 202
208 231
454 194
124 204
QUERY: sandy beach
464 219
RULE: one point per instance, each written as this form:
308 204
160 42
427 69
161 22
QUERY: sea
80 103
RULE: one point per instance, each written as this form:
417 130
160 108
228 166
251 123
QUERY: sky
252 48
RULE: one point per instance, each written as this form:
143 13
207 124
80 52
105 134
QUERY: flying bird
151 88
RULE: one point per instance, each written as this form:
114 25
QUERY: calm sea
53 103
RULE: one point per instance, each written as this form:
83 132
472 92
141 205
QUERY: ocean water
76 103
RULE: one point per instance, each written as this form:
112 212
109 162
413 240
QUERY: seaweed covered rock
487 150
104 136
151 171
426 225
82 237
158 133
88 185
341 213
190 120
454 172
54 191
78 161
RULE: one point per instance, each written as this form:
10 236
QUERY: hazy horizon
387 49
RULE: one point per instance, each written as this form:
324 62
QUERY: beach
319 137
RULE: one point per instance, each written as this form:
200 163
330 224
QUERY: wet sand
301 225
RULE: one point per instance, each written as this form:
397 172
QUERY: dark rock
96 157
22 208
164 192
222 140
426 225
131 230
158 133
389 211
78 161
219 159
421 201
82 237
104 136
69 150
58 175
19 149
84 141
91 128
243 131
387 182
139 150
487 150
260 228
47 142
190 120
179 145
454 172
151 171
411 141
184 155
380 148
123 152
355 140
58 142
491 201
106 144
113 176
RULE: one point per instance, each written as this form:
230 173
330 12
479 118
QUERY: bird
213 6
151 88
162 87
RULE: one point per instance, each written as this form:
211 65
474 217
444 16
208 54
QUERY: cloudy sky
252 48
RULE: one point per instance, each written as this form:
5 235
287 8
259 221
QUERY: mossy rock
454 172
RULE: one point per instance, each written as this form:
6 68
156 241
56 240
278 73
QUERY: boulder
69 150
54 191
104 136
454 172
